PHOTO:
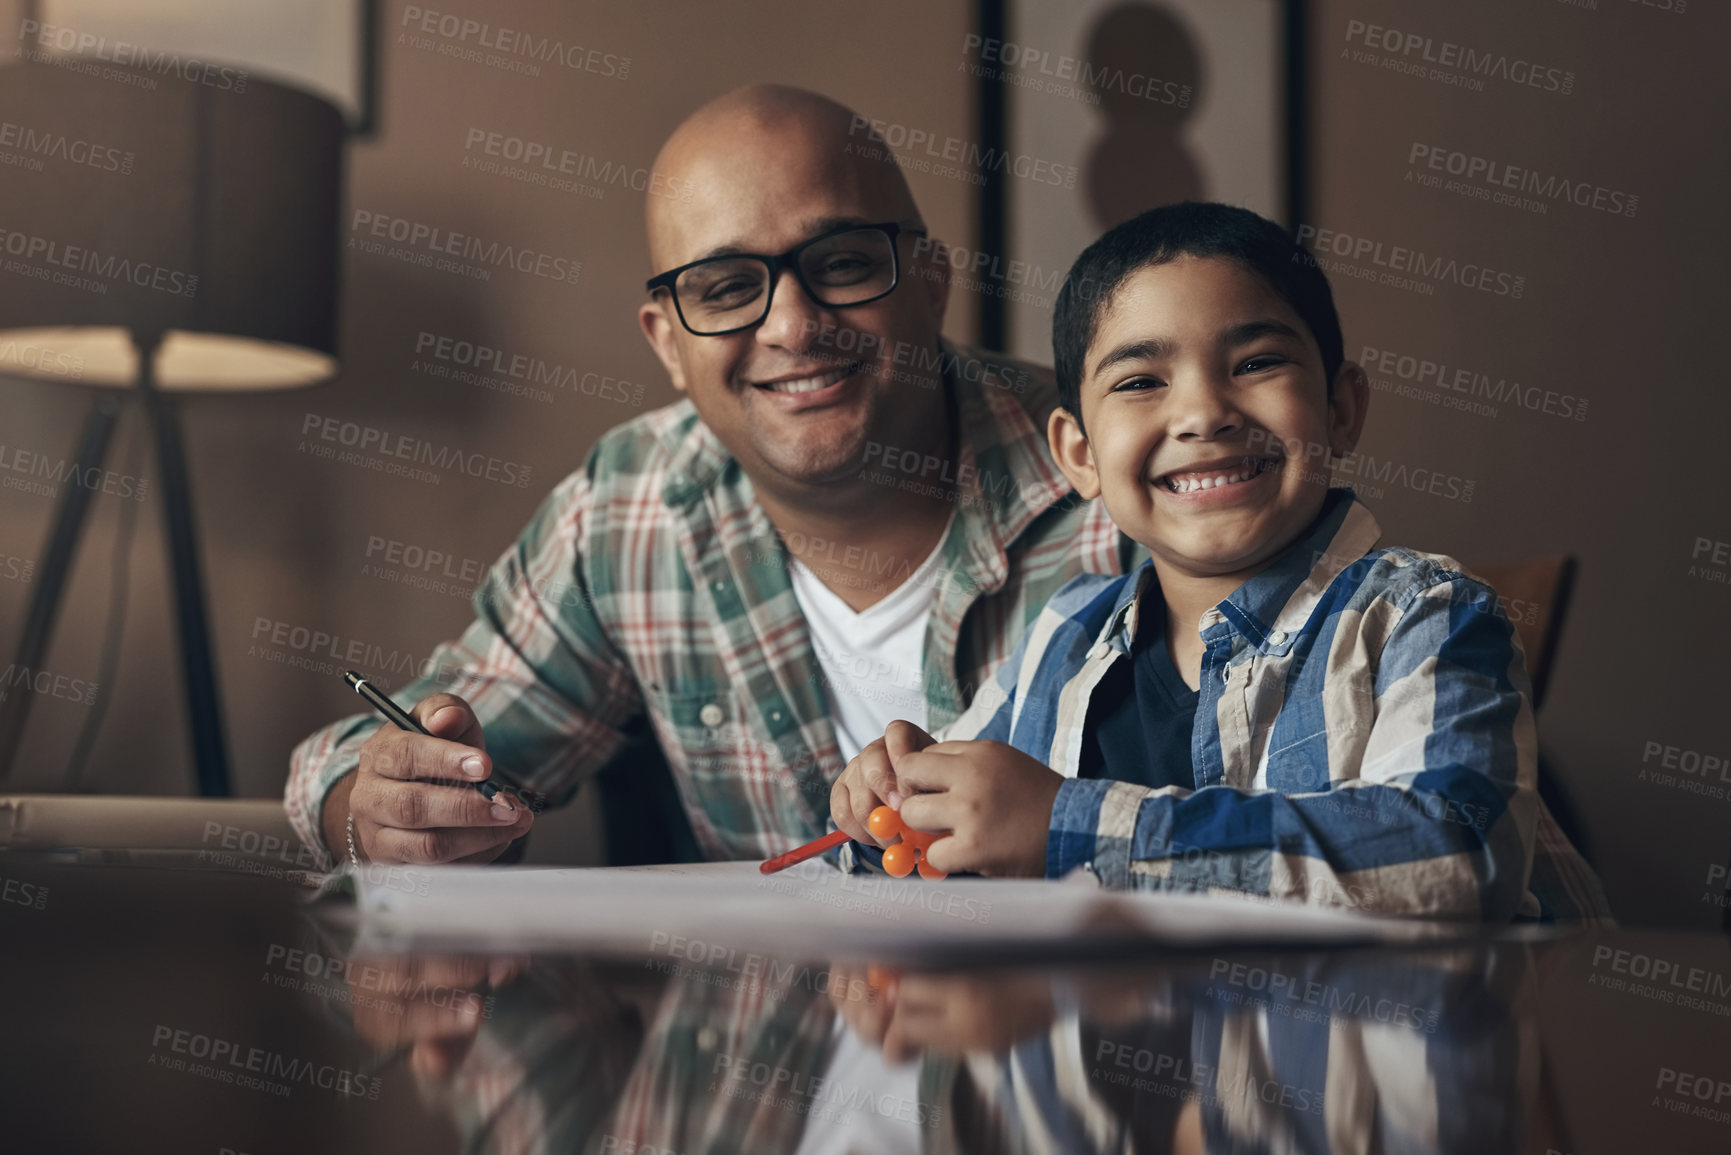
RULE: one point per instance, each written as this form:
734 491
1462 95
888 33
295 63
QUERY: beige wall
1618 311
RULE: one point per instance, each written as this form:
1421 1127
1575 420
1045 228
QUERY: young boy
1272 703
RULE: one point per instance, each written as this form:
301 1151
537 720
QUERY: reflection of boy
1272 703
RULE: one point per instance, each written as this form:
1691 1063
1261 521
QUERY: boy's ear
1071 451
1348 404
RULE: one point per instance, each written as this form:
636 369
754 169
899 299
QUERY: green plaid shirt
651 583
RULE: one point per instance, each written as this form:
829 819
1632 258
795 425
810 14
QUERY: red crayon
801 853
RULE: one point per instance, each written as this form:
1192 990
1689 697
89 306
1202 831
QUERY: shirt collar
698 458
1005 475
1271 607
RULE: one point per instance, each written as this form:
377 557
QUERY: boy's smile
1208 419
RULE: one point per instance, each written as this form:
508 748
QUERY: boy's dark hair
1197 229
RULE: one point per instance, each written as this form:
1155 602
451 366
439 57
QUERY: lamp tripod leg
204 710
52 574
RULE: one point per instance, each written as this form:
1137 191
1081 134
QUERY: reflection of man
843 508
1345 1051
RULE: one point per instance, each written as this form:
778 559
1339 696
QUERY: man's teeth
1194 482
807 384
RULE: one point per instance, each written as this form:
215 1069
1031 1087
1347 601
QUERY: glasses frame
788 260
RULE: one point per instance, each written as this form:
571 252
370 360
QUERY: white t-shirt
865 1104
873 659
872 663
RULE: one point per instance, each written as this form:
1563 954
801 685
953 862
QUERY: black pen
405 721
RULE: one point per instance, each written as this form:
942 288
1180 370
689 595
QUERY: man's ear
662 333
1071 451
1348 405
934 253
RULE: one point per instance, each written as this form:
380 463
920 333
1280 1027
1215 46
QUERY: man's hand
870 781
412 795
992 801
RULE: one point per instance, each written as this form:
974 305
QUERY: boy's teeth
1194 482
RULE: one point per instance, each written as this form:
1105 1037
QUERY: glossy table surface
164 1004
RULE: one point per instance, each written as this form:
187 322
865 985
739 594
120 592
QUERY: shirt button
711 715
1277 638
1100 650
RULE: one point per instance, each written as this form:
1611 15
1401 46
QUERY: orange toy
900 858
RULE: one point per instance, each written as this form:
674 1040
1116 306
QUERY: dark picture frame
1020 71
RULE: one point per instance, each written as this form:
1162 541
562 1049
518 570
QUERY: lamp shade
140 205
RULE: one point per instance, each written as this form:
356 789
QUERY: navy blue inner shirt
1141 715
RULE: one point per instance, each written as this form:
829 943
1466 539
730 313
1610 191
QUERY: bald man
845 520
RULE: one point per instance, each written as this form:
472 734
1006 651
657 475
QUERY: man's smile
801 390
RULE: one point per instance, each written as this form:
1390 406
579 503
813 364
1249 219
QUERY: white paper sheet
813 910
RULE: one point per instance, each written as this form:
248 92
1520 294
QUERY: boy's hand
870 780
993 801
